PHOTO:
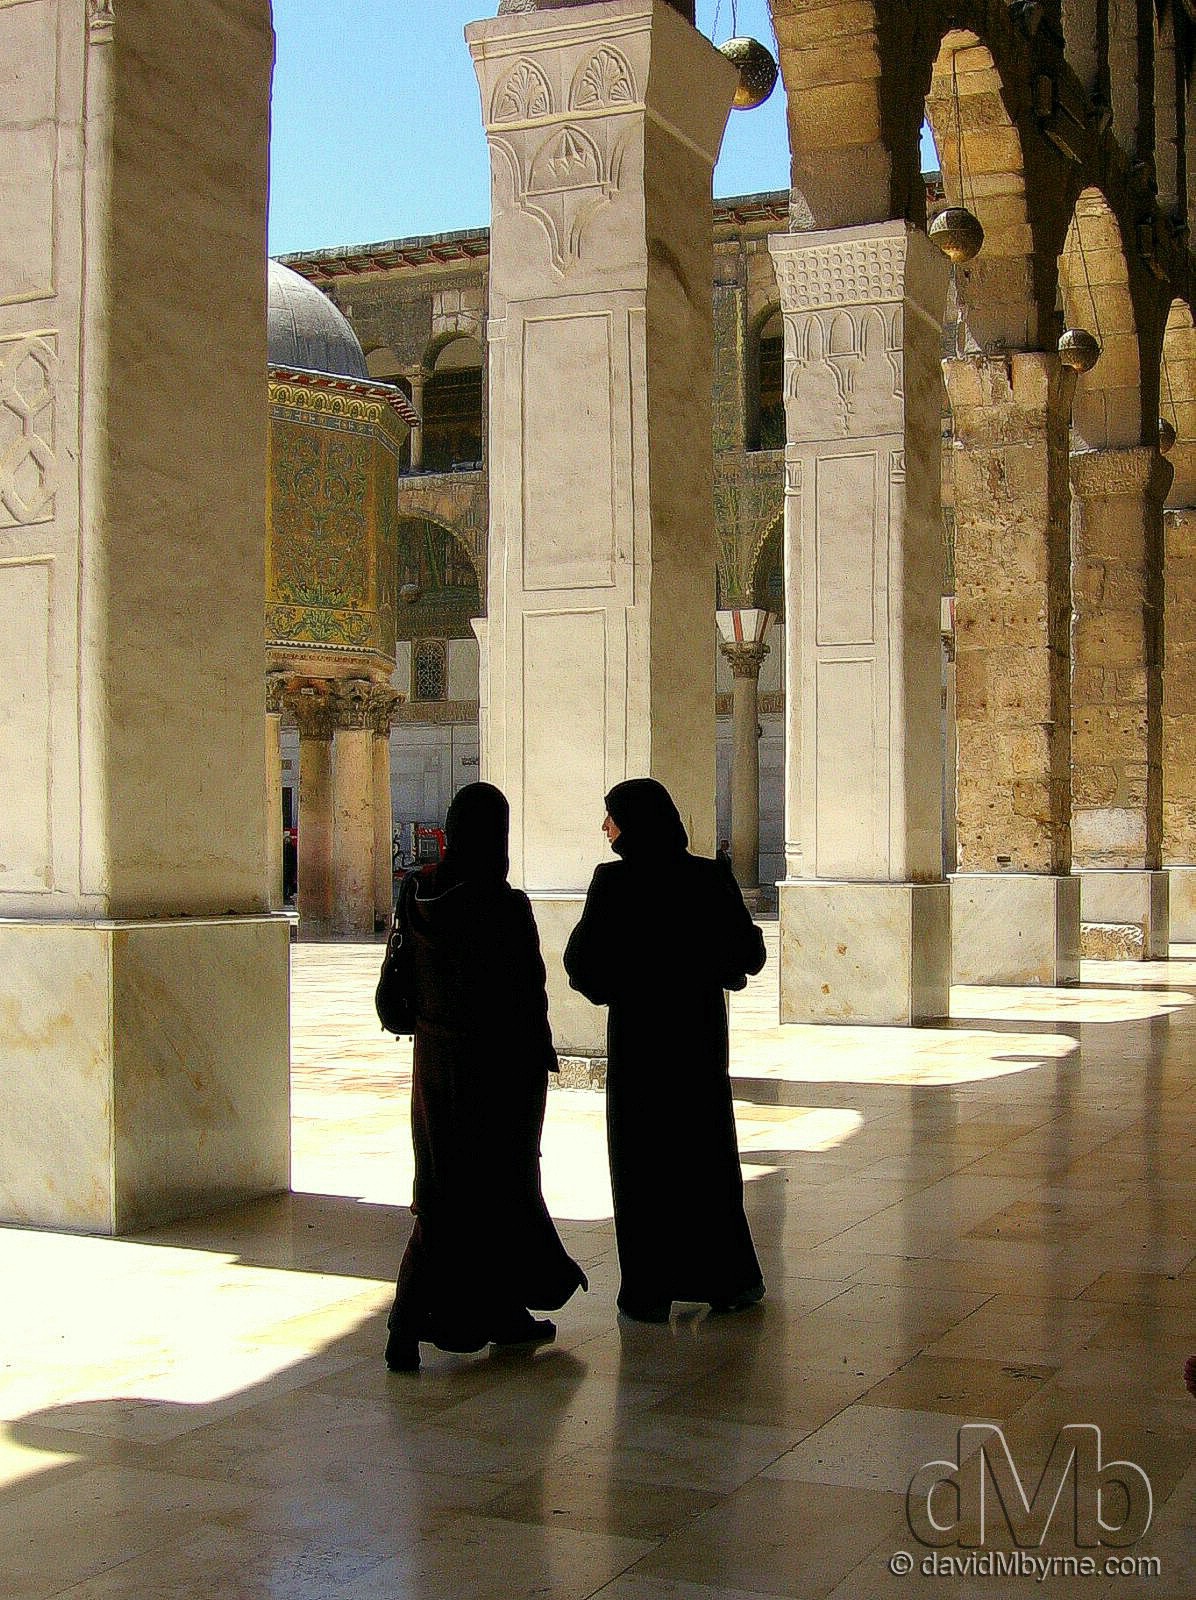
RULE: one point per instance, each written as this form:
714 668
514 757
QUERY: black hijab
650 826
475 832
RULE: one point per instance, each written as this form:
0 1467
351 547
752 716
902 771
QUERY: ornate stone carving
353 702
563 183
522 96
276 686
837 356
853 272
28 373
746 659
605 80
101 20
311 706
385 703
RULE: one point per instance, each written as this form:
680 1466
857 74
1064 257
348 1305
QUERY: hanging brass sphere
1166 437
957 233
1078 349
757 72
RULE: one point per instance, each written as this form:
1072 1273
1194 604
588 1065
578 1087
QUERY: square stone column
1117 720
1179 718
1015 911
274 869
142 979
604 122
865 919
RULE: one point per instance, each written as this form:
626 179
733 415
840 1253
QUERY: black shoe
402 1352
743 1301
645 1310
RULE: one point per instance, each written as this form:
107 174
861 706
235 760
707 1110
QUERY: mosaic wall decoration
438 584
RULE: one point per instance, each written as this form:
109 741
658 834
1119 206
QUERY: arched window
767 422
429 670
453 408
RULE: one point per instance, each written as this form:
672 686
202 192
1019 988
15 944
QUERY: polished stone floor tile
991 1218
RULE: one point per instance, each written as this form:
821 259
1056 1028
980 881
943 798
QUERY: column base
1132 898
147 1071
578 1028
876 953
1181 900
1015 928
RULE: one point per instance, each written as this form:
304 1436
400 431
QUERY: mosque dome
305 330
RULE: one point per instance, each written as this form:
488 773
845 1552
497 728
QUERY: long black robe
662 934
483 1248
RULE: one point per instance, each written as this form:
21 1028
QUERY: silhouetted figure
662 935
483 1248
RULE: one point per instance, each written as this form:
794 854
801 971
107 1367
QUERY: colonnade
345 820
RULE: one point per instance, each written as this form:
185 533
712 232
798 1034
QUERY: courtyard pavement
990 1221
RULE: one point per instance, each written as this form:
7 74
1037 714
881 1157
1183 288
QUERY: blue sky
377 132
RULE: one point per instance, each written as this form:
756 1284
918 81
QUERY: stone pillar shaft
746 661
313 713
417 379
603 122
384 703
1012 607
142 980
864 916
1117 729
1015 916
1179 718
274 807
353 875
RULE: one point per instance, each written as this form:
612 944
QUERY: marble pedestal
578 1028
146 1069
872 953
1015 928
1132 897
1181 904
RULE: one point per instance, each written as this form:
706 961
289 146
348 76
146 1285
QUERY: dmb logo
958 1502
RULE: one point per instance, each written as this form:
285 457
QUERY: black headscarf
650 826
476 831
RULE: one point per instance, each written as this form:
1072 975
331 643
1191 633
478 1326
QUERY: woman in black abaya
483 1248
662 935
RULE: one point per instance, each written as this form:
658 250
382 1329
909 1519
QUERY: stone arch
1177 399
436 559
980 153
766 567
453 403
841 113
1094 288
764 384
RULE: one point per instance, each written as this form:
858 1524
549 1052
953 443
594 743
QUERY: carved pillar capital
746 659
385 702
311 706
276 686
353 702
101 20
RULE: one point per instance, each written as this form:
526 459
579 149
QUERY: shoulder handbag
394 998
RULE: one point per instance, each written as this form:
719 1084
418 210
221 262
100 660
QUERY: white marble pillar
312 708
353 877
1117 701
604 121
274 696
746 660
865 916
384 703
143 981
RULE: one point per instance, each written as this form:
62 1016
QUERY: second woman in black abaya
662 935
483 1249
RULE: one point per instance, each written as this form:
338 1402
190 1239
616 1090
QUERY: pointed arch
1094 288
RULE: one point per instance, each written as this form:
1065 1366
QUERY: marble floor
990 1221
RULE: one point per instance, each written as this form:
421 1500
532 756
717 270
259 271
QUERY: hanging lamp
755 64
1079 349
957 230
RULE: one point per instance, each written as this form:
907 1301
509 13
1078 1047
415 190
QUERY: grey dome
306 331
